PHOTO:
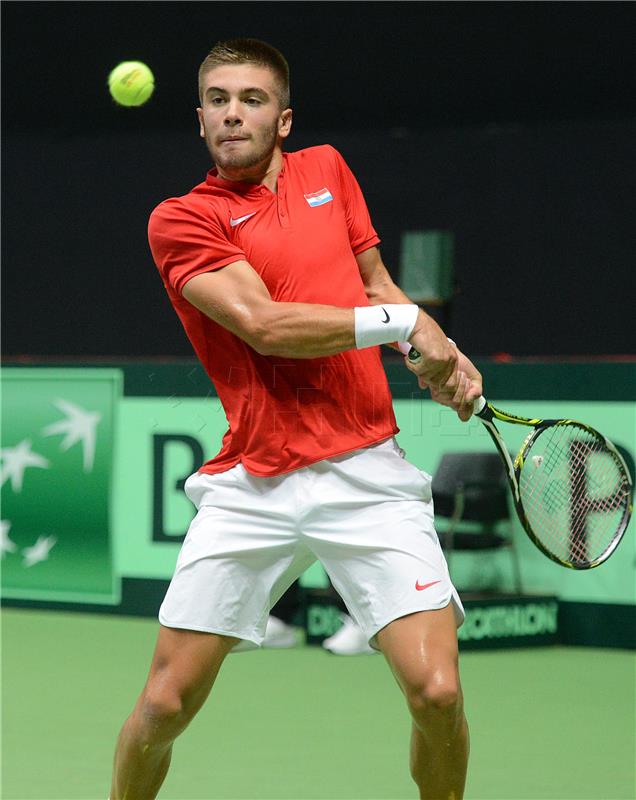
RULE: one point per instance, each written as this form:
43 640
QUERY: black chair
471 491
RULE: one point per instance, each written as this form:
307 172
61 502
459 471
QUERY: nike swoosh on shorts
419 587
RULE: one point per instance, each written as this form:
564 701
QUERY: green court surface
554 723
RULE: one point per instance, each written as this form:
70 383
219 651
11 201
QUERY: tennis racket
571 487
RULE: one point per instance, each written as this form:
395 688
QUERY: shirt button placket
282 208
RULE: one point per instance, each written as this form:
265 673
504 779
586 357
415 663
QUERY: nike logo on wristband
388 318
419 587
235 222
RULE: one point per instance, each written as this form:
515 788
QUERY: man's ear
285 123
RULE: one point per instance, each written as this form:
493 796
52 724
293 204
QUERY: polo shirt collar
213 179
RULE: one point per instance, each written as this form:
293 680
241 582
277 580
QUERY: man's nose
233 114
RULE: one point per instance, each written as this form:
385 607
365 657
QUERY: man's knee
160 716
435 696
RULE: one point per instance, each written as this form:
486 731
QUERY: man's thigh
421 648
184 667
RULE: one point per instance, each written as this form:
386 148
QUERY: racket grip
479 404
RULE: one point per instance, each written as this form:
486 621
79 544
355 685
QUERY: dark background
511 124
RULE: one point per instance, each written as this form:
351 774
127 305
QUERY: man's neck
266 173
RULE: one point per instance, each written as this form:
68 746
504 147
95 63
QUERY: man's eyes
217 100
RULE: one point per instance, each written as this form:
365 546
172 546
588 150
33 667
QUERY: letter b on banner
175 457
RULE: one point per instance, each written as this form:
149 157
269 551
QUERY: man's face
241 119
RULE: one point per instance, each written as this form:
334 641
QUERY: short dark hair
249 51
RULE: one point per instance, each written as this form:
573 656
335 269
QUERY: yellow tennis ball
131 83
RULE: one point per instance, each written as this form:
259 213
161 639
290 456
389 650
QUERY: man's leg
421 650
184 667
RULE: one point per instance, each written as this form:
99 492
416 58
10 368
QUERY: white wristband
384 324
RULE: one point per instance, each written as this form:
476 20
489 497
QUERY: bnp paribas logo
78 427
55 472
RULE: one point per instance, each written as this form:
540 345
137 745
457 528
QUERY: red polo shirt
283 413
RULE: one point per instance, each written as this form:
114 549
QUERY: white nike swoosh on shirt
238 220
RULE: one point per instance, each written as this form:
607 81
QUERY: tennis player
272 265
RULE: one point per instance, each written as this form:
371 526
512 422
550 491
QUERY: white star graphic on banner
79 426
38 551
7 545
15 461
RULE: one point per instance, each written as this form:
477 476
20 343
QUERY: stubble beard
259 153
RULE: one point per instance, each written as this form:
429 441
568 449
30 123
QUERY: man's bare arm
427 336
236 298
378 284
463 383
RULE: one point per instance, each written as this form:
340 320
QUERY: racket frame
487 414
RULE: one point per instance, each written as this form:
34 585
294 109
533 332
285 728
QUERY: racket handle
479 404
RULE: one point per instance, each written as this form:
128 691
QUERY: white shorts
366 515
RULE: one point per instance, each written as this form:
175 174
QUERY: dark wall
514 129
354 64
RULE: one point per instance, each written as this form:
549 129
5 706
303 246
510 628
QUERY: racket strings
573 492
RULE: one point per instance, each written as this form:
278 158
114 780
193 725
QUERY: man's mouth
234 139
